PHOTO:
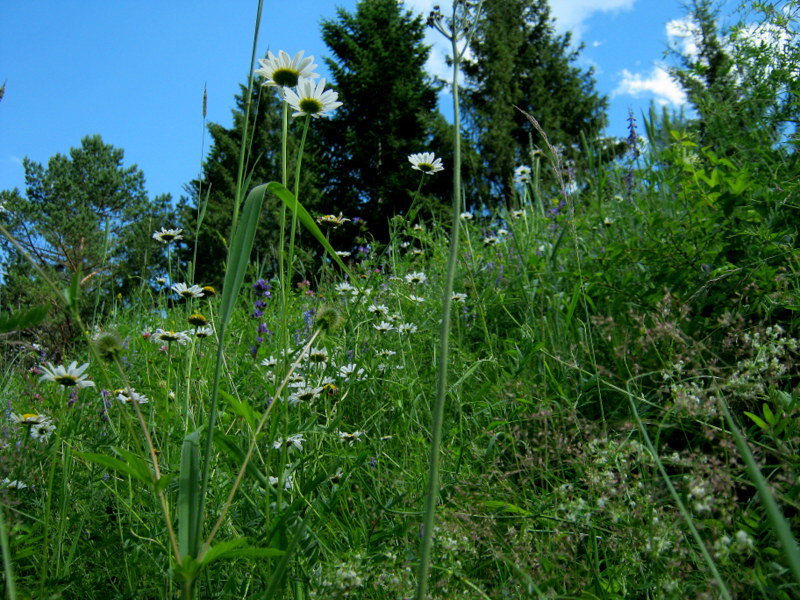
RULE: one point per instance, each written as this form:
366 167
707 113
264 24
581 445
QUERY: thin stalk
253 442
779 524
212 415
444 350
7 566
240 172
293 230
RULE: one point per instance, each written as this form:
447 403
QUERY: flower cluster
295 77
40 427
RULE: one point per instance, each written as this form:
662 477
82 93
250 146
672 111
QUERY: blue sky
134 71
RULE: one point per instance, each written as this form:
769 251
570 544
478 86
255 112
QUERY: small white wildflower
350 438
416 278
407 328
383 326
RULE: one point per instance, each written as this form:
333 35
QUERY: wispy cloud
571 15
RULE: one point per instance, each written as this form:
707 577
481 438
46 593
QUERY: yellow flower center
285 77
67 380
310 106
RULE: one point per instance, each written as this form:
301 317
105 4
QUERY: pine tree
518 60
83 214
86 213
378 71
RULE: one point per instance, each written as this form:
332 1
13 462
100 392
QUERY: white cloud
571 14
658 84
684 36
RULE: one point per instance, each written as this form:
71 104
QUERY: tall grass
604 425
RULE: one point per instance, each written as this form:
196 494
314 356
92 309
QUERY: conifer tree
378 71
217 188
518 60
83 213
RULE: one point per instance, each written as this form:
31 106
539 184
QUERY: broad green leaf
188 495
229 446
757 420
22 319
241 408
115 464
308 222
137 463
241 247
237 548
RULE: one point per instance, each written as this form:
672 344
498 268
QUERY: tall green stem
444 349
239 194
297 197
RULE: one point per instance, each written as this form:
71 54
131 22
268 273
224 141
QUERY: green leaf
241 408
229 446
241 247
308 222
118 465
757 420
188 495
233 549
22 320
769 416
506 507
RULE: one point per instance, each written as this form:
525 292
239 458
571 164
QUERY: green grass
620 372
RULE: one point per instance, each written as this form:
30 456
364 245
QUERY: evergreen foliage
378 71
84 213
217 188
518 60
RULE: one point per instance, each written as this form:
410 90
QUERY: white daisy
426 162
345 288
269 362
318 355
416 278
351 438
490 240
187 291
284 71
311 98
406 328
459 297
28 418
414 298
466 216
167 236
351 370
72 376
305 394
379 309
126 396
517 213
383 326
42 431
162 335
343 253
522 174
204 332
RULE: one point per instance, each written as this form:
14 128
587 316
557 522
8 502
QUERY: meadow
590 391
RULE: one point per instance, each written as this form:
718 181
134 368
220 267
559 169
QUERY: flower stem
432 496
